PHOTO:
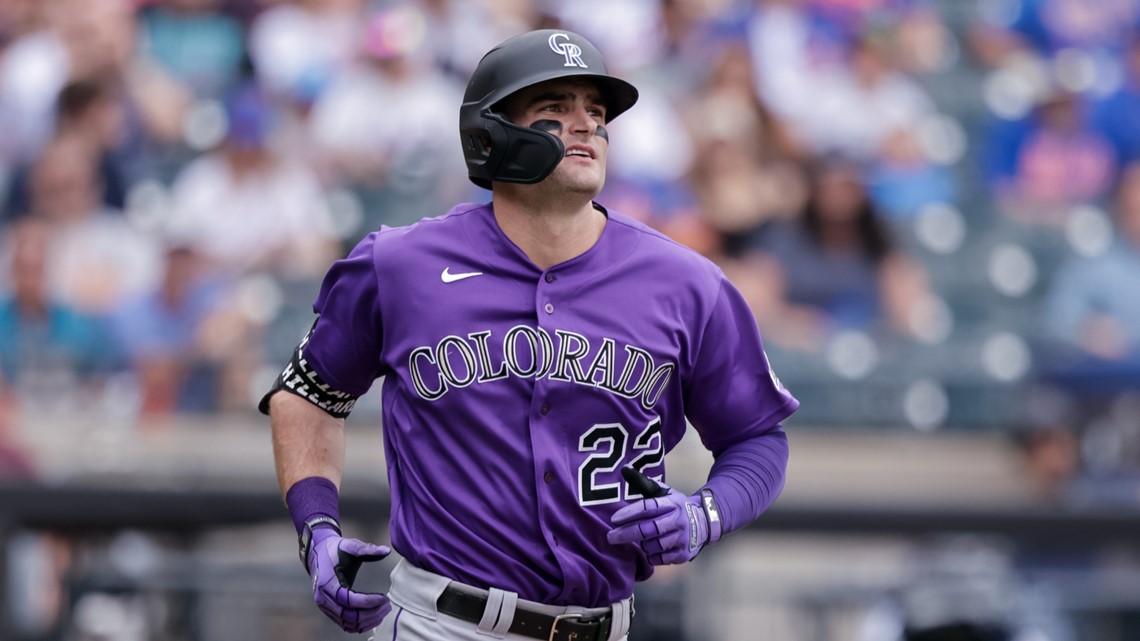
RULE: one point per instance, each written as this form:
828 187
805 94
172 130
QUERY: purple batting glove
333 563
670 529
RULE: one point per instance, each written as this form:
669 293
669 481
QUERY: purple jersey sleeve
346 340
747 477
732 393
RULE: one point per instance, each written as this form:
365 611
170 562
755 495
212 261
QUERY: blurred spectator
245 10
787 57
16 463
803 48
1008 28
299 46
1051 457
171 336
921 41
15 460
834 268
1114 115
19 17
1091 356
902 178
195 41
83 39
692 33
455 28
406 162
857 109
744 173
82 44
1091 309
86 110
48 348
1041 166
98 256
627 32
246 206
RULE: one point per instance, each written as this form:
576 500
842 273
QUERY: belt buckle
557 618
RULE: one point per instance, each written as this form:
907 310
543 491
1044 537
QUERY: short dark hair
78 96
874 236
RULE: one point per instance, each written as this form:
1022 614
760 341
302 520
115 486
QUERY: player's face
579 109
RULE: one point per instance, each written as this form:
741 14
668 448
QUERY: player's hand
333 563
669 528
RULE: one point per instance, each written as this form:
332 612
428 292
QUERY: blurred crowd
176 176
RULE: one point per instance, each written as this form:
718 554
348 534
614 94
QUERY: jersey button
548 477
550 278
549 308
545 409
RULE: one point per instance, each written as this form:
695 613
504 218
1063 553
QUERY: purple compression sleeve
747 477
311 497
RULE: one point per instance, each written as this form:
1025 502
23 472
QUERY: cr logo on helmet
572 51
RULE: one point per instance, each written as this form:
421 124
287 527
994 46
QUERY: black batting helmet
497 149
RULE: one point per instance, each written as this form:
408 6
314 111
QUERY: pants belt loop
621 612
491 612
498 614
506 613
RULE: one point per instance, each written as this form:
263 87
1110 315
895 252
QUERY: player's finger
359 600
665 543
652 546
361 620
625 534
371 618
336 594
645 509
633 532
351 553
362 550
668 523
331 610
663 540
673 557
356 628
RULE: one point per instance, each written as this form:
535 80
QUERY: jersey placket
545 416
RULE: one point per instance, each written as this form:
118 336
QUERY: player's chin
588 179
585 186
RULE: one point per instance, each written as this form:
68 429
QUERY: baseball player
540 357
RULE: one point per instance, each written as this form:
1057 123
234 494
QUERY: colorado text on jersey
528 352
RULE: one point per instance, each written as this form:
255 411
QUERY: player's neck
547 235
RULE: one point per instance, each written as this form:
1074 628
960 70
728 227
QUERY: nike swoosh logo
448 277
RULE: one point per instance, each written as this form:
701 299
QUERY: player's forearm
747 477
306 441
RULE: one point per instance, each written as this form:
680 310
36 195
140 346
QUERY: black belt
563 627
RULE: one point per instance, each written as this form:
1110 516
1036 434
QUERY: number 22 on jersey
607 444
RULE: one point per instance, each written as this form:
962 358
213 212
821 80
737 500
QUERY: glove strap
306 537
708 502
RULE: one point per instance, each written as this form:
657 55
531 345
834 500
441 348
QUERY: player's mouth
580 151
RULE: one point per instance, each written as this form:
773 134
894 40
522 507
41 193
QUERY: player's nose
582 121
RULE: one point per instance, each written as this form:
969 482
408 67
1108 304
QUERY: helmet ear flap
520 154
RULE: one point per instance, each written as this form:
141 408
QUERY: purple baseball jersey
513 396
